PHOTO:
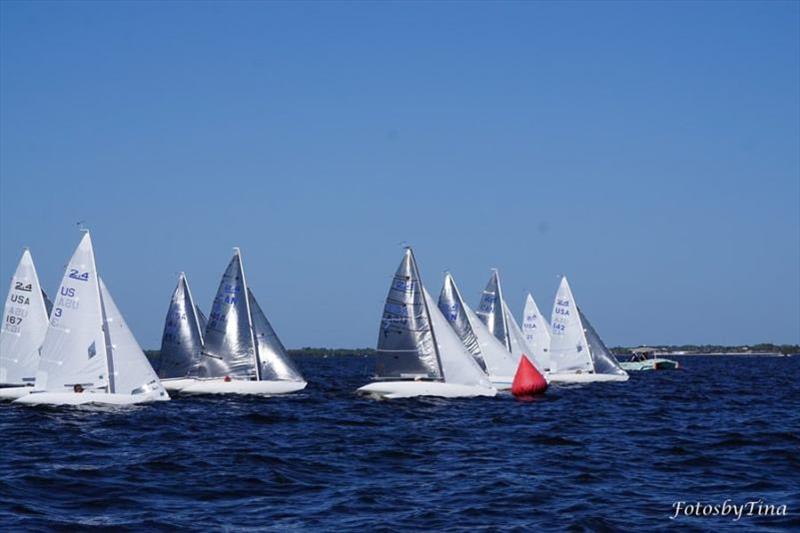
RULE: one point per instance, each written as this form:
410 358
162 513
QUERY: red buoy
528 381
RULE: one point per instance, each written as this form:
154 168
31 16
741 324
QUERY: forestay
490 310
182 341
406 348
132 371
275 362
24 327
229 343
569 351
75 346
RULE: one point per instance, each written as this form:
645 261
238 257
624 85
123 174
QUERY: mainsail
569 349
182 341
275 362
406 347
230 347
535 327
496 359
604 360
24 327
75 349
132 373
490 310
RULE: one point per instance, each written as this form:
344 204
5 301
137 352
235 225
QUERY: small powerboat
645 359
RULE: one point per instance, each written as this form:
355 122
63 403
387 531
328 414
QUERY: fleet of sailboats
83 351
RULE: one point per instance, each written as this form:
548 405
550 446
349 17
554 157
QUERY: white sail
458 365
24 325
132 373
74 349
569 349
535 327
520 346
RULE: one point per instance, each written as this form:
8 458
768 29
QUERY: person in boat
78 388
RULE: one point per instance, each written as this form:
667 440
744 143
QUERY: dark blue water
595 457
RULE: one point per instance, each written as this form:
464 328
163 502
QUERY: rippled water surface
601 456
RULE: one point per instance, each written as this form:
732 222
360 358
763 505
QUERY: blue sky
650 151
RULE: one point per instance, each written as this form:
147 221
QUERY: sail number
74 273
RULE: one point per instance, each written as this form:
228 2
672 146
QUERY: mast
427 313
104 325
256 359
191 302
502 309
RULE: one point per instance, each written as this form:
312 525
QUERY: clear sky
650 151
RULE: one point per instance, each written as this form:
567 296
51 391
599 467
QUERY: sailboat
22 333
576 350
495 314
241 352
182 341
535 328
488 352
419 354
89 355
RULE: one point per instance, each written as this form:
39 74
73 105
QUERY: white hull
177 384
411 389
502 382
84 398
238 386
572 377
12 393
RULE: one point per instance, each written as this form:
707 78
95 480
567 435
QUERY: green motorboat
645 359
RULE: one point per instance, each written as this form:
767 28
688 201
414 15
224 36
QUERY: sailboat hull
85 398
236 386
501 382
8 394
411 389
572 377
177 384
